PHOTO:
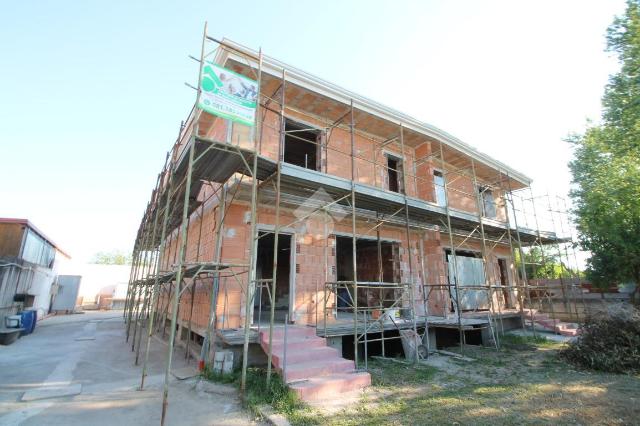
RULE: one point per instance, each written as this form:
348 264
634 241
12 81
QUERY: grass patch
528 387
277 394
212 376
517 342
390 373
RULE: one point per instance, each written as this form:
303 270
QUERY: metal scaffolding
204 176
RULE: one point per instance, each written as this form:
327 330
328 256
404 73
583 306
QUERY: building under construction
331 228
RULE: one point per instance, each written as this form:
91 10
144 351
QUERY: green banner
228 94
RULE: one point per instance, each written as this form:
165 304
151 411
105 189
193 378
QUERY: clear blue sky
92 93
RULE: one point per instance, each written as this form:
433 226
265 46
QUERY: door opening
504 282
488 203
438 183
394 173
264 271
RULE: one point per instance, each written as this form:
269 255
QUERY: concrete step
537 316
317 388
568 329
564 332
292 333
278 345
264 338
548 322
324 353
298 339
563 328
545 321
307 370
291 337
314 370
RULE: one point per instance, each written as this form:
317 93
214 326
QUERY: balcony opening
438 184
301 145
488 203
394 173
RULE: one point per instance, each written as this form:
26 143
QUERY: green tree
606 166
544 263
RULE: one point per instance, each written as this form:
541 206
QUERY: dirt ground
523 383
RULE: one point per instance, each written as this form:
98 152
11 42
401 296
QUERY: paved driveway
78 370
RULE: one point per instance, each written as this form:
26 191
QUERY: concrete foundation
335 342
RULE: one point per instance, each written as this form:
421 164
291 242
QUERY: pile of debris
609 341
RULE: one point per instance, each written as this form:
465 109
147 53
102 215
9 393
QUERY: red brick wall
370 162
310 243
310 247
437 294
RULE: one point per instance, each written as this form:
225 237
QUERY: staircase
314 370
544 321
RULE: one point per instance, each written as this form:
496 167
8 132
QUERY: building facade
29 261
334 210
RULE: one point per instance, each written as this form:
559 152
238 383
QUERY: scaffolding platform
213 161
190 270
217 161
345 326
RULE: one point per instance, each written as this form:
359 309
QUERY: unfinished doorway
394 173
504 282
264 271
301 145
376 264
488 202
467 271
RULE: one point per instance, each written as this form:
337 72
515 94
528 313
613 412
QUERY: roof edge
338 93
30 225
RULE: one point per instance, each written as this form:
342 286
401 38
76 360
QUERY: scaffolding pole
519 288
354 262
521 255
156 285
483 247
208 345
252 238
408 234
453 256
181 256
274 274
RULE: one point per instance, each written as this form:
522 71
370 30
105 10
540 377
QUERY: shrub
609 341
